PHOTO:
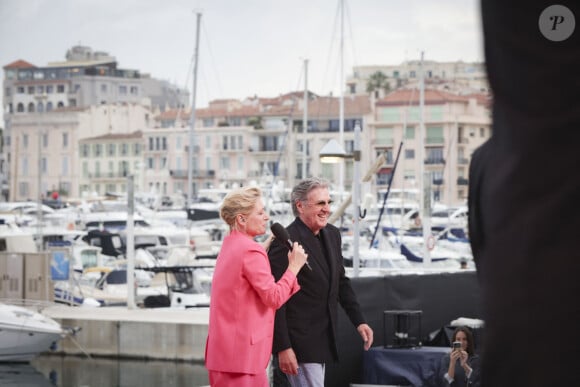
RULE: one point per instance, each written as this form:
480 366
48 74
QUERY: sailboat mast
305 119
341 100
192 117
425 177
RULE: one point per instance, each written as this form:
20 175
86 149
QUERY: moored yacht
24 333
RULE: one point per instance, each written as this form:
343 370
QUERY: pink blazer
244 298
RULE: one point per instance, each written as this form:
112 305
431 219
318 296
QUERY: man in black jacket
305 327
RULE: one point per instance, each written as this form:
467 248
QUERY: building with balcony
458 75
85 79
52 139
455 125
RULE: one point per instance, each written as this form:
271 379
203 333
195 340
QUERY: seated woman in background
461 367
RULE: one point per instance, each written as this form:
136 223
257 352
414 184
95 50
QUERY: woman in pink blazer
245 296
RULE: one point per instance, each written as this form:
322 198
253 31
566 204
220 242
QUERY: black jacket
307 322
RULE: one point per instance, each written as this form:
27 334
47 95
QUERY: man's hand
367 335
287 361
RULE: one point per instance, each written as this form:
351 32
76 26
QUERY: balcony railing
431 161
462 181
196 173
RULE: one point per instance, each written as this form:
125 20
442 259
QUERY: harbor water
77 371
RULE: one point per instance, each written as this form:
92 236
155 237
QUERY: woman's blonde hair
239 201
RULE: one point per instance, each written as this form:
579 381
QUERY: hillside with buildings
86 125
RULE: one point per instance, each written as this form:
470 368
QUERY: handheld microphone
282 235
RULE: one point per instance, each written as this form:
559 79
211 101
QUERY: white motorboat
24 333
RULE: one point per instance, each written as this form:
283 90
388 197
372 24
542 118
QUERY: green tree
378 81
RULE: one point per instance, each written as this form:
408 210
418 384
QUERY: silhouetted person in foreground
526 236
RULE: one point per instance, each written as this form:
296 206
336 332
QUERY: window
49 89
409 154
104 88
384 136
98 150
178 142
60 89
124 149
225 163
434 135
45 140
163 163
111 150
390 114
241 163
43 165
20 90
150 163
410 133
151 143
136 149
208 122
134 90
163 143
64 169
481 132
434 155
208 162
25 141
436 113
85 169
31 90
23 189
123 90
24 164
85 150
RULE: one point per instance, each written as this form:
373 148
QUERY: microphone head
281 234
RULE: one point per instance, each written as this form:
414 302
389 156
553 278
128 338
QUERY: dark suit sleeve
346 295
278 256
474 201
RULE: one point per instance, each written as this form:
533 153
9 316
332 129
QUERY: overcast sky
247 47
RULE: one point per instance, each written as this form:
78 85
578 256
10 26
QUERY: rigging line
326 72
186 83
212 60
286 133
347 8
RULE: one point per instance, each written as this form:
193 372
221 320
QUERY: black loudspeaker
402 328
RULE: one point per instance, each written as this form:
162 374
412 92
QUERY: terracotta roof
115 136
411 97
19 64
317 107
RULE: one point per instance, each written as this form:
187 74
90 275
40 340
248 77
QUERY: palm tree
378 81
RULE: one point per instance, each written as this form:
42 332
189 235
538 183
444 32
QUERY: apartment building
455 125
51 142
461 76
85 79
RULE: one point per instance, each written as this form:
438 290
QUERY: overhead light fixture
332 152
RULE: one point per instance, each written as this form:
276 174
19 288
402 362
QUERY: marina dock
119 332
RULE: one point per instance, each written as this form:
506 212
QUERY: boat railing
35 305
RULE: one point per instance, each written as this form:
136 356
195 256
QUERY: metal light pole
39 102
356 183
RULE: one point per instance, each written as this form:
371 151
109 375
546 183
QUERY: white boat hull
25 334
